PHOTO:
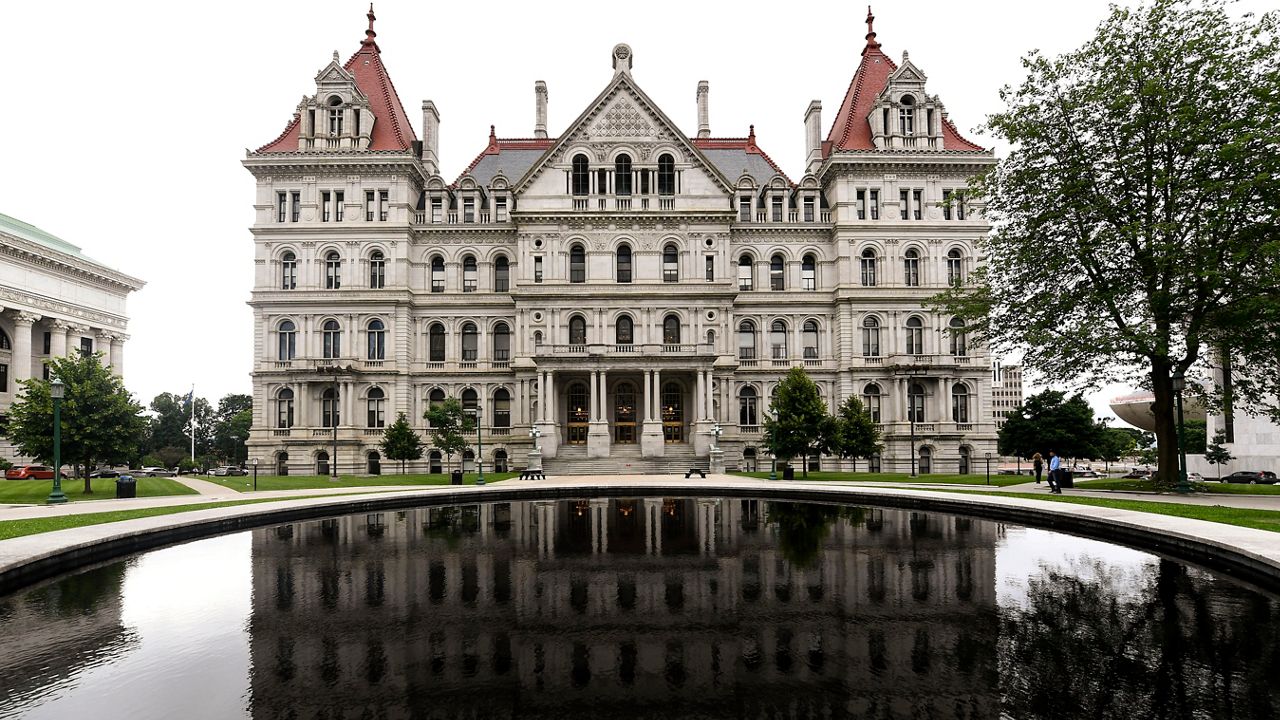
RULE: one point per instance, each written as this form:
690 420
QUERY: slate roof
733 155
512 156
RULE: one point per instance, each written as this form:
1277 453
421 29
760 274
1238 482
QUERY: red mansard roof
391 128
851 129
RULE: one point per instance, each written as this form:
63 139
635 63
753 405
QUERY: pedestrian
1055 470
1038 463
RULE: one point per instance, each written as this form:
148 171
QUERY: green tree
400 442
449 426
231 423
1197 436
169 425
798 425
101 422
1116 443
1217 453
1135 215
1049 420
854 434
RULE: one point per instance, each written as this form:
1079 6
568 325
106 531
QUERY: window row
376 341
778 340
377 271
751 411
913 337
910 204
869 265
333 206
621 178
376 407
777 272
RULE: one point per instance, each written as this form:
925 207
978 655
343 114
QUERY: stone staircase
623 460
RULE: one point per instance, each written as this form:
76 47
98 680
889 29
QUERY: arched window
501 274
284 408
746 340
377 270
322 463
470 275
748 407
907 116
778 340
915 402
914 336
435 398
911 267
622 175
671 330
926 461
670 263
871 401
470 400
435 343
809 273
746 273
577 330
329 408
470 342
777 273
435 462
501 342
331 334
377 336
577 264
287 339
666 174
501 408
959 338
437 274
868 263
955 267
870 337
624 331
810 336
960 403
377 408
965 455
624 263
581 176
332 271
288 271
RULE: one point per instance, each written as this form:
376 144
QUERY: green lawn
313 482
996 480
1142 485
1244 517
35 491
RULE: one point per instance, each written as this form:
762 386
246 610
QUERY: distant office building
1006 390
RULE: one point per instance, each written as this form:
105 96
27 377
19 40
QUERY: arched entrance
964 460
374 464
468 461
926 461
579 414
500 460
282 463
749 460
672 412
435 466
624 413
322 463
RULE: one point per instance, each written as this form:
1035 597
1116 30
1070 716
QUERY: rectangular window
295 201
86 346
946 204
326 206
808 209
776 207
437 210
368 206
862 204
744 209
469 210
44 371
537 269
48 343
4 377
500 210
338 199
282 206
959 205
917 207
711 268
904 204
875 204
383 205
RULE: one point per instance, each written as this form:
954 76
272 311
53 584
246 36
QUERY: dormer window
907 116
335 116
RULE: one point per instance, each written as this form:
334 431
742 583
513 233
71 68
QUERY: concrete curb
1248 554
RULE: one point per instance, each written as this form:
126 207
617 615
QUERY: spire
493 138
871 33
751 138
369 34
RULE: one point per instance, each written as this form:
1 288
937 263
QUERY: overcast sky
125 124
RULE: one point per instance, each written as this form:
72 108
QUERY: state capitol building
623 286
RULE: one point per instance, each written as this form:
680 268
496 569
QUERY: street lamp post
478 411
535 433
910 371
56 391
716 432
773 465
333 418
1179 384
254 463
988 468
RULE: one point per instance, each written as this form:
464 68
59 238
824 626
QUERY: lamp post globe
56 392
535 433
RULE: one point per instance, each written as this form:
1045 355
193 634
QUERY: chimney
430 137
540 116
704 122
813 136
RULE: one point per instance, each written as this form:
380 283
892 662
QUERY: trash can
455 478
126 487
1065 480
788 472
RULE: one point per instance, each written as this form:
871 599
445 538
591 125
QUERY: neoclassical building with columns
624 287
54 300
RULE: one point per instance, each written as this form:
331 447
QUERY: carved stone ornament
623 120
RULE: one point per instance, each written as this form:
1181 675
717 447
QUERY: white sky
125 124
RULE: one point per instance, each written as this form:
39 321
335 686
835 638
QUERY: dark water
641 608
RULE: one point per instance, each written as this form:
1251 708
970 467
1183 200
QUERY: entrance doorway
375 463
282 463
624 414
322 463
579 414
672 413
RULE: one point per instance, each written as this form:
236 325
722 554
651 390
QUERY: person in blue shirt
1055 466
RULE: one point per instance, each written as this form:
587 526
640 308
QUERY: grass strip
1143 485
1244 517
904 478
34 492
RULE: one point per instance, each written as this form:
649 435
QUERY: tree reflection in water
803 526
1169 643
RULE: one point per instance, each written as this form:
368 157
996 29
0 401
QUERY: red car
29 472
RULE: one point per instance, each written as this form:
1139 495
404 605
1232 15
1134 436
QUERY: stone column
102 344
58 338
598 440
700 396
651 439
22 323
117 354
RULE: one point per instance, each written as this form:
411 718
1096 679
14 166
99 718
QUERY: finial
751 136
369 34
335 56
871 33
493 135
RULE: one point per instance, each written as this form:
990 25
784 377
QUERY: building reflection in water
626 608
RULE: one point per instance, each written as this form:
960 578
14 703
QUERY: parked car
103 473
29 472
1135 474
1085 474
1195 477
1252 477
153 472
227 470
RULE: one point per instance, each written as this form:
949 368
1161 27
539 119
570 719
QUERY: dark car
104 473
1251 477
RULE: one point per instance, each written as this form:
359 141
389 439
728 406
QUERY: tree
401 443
854 433
448 427
1050 421
1195 433
231 423
1116 443
799 424
101 422
170 424
1217 453
1135 215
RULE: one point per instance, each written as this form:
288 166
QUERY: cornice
64 263
23 301
267 165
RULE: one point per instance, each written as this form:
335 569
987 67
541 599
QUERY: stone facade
624 288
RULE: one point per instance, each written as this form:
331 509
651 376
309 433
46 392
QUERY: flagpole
191 424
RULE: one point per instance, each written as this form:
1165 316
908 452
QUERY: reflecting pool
642 608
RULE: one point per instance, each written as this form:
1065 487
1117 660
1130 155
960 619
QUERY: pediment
908 73
334 74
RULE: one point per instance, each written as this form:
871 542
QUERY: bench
532 475
701 473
